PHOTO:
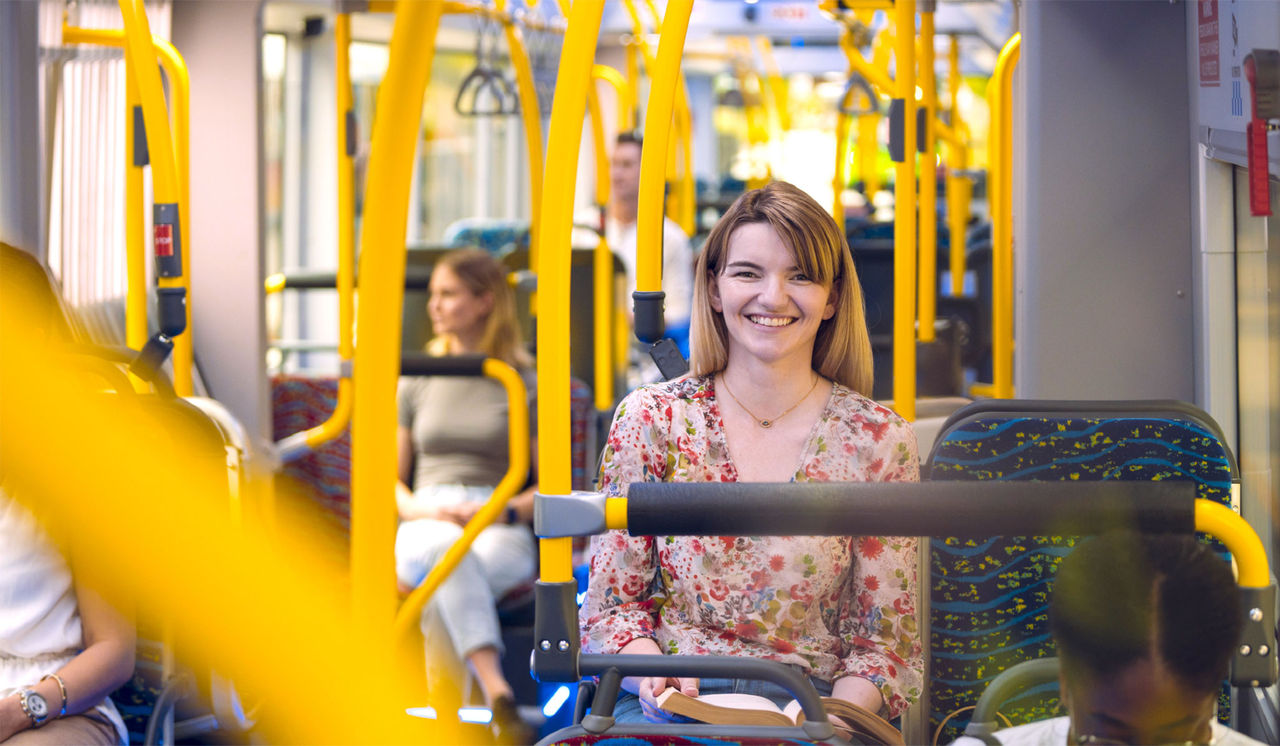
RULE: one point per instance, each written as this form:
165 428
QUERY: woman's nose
773 293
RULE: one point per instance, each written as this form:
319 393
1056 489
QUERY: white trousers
501 558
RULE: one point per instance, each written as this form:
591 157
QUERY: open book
749 709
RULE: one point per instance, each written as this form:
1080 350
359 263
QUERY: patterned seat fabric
989 598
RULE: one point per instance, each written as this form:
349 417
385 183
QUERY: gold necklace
768 423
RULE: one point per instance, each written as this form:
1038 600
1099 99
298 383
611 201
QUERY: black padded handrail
1058 408
909 509
415 278
420 364
711 666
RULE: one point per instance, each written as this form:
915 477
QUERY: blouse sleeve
619 607
878 617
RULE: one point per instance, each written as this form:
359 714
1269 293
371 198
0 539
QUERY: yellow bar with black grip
662 89
904 220
378 316
928 289
409 616
135 306
1002 222
567 111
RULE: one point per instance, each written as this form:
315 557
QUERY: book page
724 709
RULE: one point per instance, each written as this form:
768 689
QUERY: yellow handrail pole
839 179
135 224
563 144
381 276
868 126
135 306
928 182
1241 540
167 188
626 119
531 118
410 614
777 84
662 92
1002 223
904 220
633 84
602 262
958 187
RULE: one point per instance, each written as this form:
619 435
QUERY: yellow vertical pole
904 220
602 263
377 357
531 118
633 84
180 112
928 182
567 112
1002 220
840 178
958 187
135 227
346 214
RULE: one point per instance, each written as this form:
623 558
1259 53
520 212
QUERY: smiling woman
778 326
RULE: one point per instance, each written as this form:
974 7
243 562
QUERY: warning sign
1209 48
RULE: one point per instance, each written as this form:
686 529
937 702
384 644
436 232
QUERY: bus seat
494 235
988 599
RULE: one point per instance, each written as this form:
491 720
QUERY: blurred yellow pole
531 118
378 317
626 119
958 187
135 222
928 184
602 262
568 109
1002 219
904 220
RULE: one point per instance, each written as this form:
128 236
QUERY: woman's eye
800 278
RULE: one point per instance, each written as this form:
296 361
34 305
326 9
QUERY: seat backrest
989 598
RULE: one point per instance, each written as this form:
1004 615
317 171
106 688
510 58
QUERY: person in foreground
780 371
63 648
452 441
1145 626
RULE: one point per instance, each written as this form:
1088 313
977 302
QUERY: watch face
37 705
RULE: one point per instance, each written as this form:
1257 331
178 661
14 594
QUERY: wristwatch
34 707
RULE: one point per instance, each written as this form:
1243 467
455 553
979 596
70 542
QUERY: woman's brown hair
842 351
482 274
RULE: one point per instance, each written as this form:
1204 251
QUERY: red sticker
1207 13
164 240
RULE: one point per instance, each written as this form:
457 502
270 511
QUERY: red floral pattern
839 606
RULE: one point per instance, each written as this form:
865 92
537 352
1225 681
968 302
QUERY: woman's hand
647 688
858 691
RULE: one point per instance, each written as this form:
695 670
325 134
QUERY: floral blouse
836 606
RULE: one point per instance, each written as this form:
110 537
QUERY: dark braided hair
1121 598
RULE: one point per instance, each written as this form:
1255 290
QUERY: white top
677 266
1053 732
40 627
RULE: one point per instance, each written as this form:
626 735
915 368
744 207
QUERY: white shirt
40 625
1053 732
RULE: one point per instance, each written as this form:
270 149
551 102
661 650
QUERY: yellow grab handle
517 473
1228 527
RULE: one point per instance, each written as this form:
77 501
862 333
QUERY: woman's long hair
842 351
482 274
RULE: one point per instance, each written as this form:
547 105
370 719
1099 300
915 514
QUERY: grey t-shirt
459 428
1054 732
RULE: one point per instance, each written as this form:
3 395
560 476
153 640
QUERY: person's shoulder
1224 736
1052 732
868 410
672 230
684 388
